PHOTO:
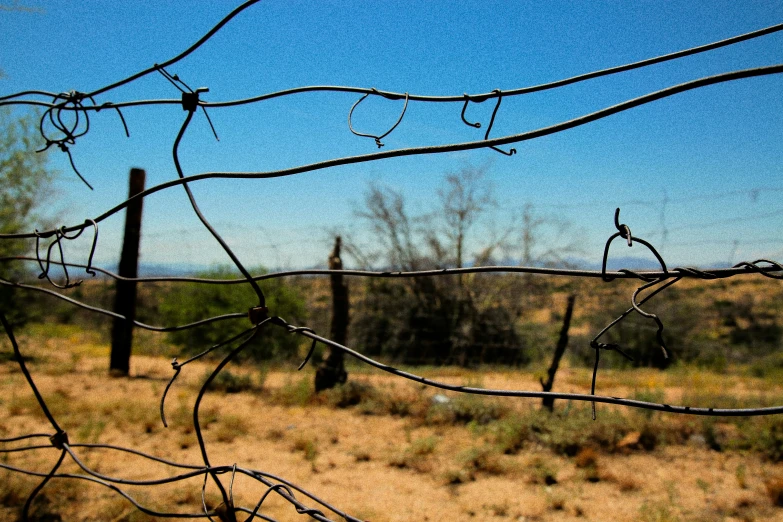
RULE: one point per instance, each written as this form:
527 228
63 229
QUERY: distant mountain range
614 263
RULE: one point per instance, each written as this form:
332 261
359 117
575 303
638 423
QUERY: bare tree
425 318
466 197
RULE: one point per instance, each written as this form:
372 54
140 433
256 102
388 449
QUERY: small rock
440 399
697 440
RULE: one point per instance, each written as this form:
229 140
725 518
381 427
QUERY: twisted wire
69 117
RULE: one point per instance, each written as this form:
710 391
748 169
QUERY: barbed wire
57 131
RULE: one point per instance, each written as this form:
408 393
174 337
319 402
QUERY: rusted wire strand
68 115
439 149
688 410
740 269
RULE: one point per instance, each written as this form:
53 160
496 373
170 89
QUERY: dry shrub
511 434
542 472
275 434
485 459
466 409
307 445
230 382
453 477
627 483
294 393
416 455
231 427
351 393
557 502
586 458
361 455
775 490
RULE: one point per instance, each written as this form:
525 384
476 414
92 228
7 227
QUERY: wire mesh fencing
67 117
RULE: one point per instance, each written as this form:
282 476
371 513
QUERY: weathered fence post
562 342
125 296
332 371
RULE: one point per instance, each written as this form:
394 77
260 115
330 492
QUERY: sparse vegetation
378 426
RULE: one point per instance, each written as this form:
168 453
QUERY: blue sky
705 167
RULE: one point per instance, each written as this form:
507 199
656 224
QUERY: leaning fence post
125 296
562 343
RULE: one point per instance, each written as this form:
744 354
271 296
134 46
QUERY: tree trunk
332 371
562 342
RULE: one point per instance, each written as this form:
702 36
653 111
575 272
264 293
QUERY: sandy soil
375 467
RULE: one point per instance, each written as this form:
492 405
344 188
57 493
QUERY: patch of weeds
648 395
11 357
742 476
14 489
48 505
500 509
294 392
361 455
769 439
186 440
587 461
424 446
231 427
349 394
586 458
182 415
397 403
628 483
484 459
711 436
454 477
703 485
120 510
569 431
130 414
400 406
229 382
466 409
469 408
775 491
415 456
511 434
658 512
20 405
90 431
275 434
542 472
307 445
557 501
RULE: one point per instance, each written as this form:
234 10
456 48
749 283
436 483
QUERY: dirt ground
381 468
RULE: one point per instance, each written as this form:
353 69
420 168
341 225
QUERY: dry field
390 450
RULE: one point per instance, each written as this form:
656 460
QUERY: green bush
229 382
185 303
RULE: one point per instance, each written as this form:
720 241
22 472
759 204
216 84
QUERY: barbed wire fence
66 118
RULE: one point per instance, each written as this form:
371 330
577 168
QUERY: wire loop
373 136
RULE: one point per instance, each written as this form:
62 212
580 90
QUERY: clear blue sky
706 166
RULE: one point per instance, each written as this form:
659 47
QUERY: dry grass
386 451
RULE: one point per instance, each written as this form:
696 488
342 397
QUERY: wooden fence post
125 296
332 371
562 343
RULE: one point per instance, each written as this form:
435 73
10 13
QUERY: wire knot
612 347
190 101
258 314
59 439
